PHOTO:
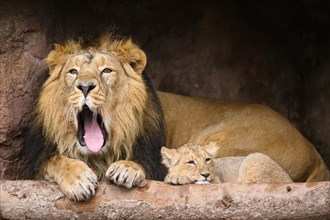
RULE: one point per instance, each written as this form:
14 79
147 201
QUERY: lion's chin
202 182
91 131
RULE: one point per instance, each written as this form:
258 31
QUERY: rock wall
270 52
23 46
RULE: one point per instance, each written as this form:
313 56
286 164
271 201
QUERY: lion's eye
192 162
106 70
73 71
208 160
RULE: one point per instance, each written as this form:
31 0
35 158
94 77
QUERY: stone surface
23 47
157 200
269 52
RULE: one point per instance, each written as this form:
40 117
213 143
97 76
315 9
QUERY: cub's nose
205 175
86 87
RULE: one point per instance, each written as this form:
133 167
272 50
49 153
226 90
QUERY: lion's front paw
177 179
78 182
126 173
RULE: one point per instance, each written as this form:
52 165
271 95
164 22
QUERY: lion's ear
170 157
55 58
59 55
136 58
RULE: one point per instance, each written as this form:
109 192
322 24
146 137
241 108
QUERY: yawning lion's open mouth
91 131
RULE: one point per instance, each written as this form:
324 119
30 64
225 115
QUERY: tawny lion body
239 129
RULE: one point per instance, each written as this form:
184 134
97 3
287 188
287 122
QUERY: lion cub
188 164
194 164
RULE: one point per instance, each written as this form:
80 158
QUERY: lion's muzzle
91 131
86 87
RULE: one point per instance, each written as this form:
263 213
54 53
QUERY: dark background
268 51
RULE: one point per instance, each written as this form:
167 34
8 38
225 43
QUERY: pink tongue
93 133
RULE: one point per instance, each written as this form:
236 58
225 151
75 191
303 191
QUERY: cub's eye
208 160
73 71
192 162
106 70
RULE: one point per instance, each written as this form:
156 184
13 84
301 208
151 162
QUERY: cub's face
188 164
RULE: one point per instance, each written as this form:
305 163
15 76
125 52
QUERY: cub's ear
211 149
170 157
136 58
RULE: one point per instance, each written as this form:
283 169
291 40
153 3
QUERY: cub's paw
78 182
126 173
176 179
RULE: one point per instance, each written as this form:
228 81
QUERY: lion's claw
126 173
79 185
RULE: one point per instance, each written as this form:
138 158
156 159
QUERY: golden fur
254 168
119 95
239 129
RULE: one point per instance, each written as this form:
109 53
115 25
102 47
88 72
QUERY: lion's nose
86 87
205 175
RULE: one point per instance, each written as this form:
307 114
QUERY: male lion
192 163
97 117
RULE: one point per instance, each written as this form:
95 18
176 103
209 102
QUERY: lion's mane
131 113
